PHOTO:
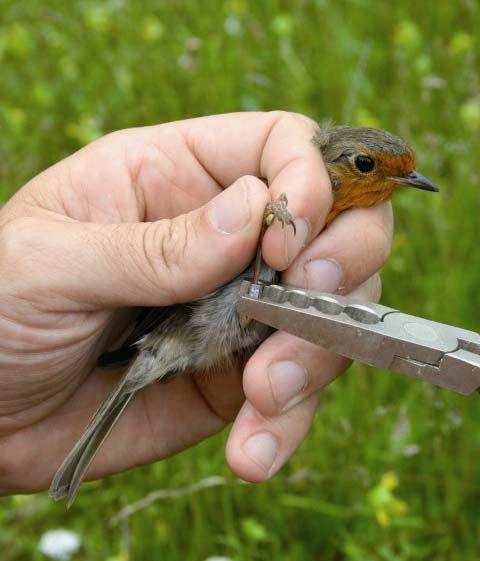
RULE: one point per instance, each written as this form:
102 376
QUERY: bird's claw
278 210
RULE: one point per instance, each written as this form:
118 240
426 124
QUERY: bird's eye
364 163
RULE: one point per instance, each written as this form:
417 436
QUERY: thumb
142 264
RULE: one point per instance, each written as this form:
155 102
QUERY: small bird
365 165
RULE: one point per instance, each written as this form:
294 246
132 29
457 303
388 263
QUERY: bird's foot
278 210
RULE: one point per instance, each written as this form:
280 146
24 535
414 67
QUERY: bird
365 166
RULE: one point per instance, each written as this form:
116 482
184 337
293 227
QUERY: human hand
138 218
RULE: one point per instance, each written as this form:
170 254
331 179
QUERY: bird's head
366 166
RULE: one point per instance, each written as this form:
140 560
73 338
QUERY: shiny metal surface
441 354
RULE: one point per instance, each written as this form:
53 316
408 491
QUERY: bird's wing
148 320
72 471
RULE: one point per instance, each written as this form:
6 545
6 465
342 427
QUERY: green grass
70 72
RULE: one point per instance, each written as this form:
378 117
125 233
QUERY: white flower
411 450
59 544
232 26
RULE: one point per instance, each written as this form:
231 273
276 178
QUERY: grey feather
335 141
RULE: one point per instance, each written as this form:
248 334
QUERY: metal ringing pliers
443 355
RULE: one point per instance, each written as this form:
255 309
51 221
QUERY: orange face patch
396 165
364 190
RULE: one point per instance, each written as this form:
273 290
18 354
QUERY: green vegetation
390 471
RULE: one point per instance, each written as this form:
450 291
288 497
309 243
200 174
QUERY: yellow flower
389 481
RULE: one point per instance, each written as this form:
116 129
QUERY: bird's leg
278 210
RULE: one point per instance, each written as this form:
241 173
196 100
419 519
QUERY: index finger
277 146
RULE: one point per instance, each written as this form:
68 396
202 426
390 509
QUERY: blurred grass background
390 471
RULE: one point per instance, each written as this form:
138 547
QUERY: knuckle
305 121
375 288
279 114
293 117
372 243
165 249
378 242
369 259
173 242
282 119
370 290
368 251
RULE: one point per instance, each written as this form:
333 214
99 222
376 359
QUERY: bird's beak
417 180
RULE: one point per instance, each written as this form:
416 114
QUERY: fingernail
295 243
262 449
323 274
229 212
287 379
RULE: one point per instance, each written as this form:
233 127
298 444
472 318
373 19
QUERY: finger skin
305 182
134 175
258 446
358 241
256 144
149 264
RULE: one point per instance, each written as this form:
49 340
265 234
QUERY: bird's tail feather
70 474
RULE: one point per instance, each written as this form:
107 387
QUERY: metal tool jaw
443 355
